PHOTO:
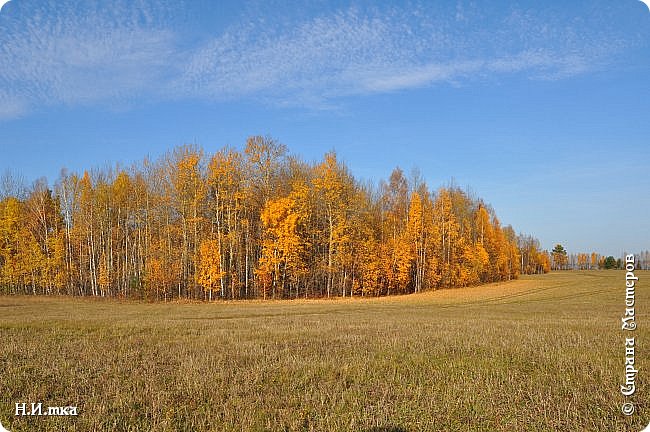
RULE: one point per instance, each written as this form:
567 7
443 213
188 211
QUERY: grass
542 353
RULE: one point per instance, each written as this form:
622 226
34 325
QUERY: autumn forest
254 224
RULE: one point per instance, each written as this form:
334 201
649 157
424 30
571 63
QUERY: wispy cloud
61 55
350 52
132 51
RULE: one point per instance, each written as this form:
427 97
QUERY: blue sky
541 108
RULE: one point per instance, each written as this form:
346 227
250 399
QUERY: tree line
257 223
595 261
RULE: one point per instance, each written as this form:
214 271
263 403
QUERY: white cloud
352 53
79 59
63 55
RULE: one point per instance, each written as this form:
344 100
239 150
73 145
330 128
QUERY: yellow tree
485 243
399 253
500 253
43 219
531 257
334 185
474 260
544 261
67 193
57 268
362 251
161 271
10 219
103 276
210 273
416 236
121 250
370 278
450 240
188 193
264 159
512 252
227 194
32 261
422 234
179 227
281 260
85 234
432 238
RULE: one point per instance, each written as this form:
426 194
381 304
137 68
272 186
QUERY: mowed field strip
541 353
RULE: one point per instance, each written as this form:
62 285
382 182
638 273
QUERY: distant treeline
593 261
253 224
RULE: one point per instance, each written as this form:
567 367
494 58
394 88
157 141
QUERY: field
542 353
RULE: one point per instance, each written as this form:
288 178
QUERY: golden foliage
256 223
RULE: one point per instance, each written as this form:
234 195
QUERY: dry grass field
543 353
